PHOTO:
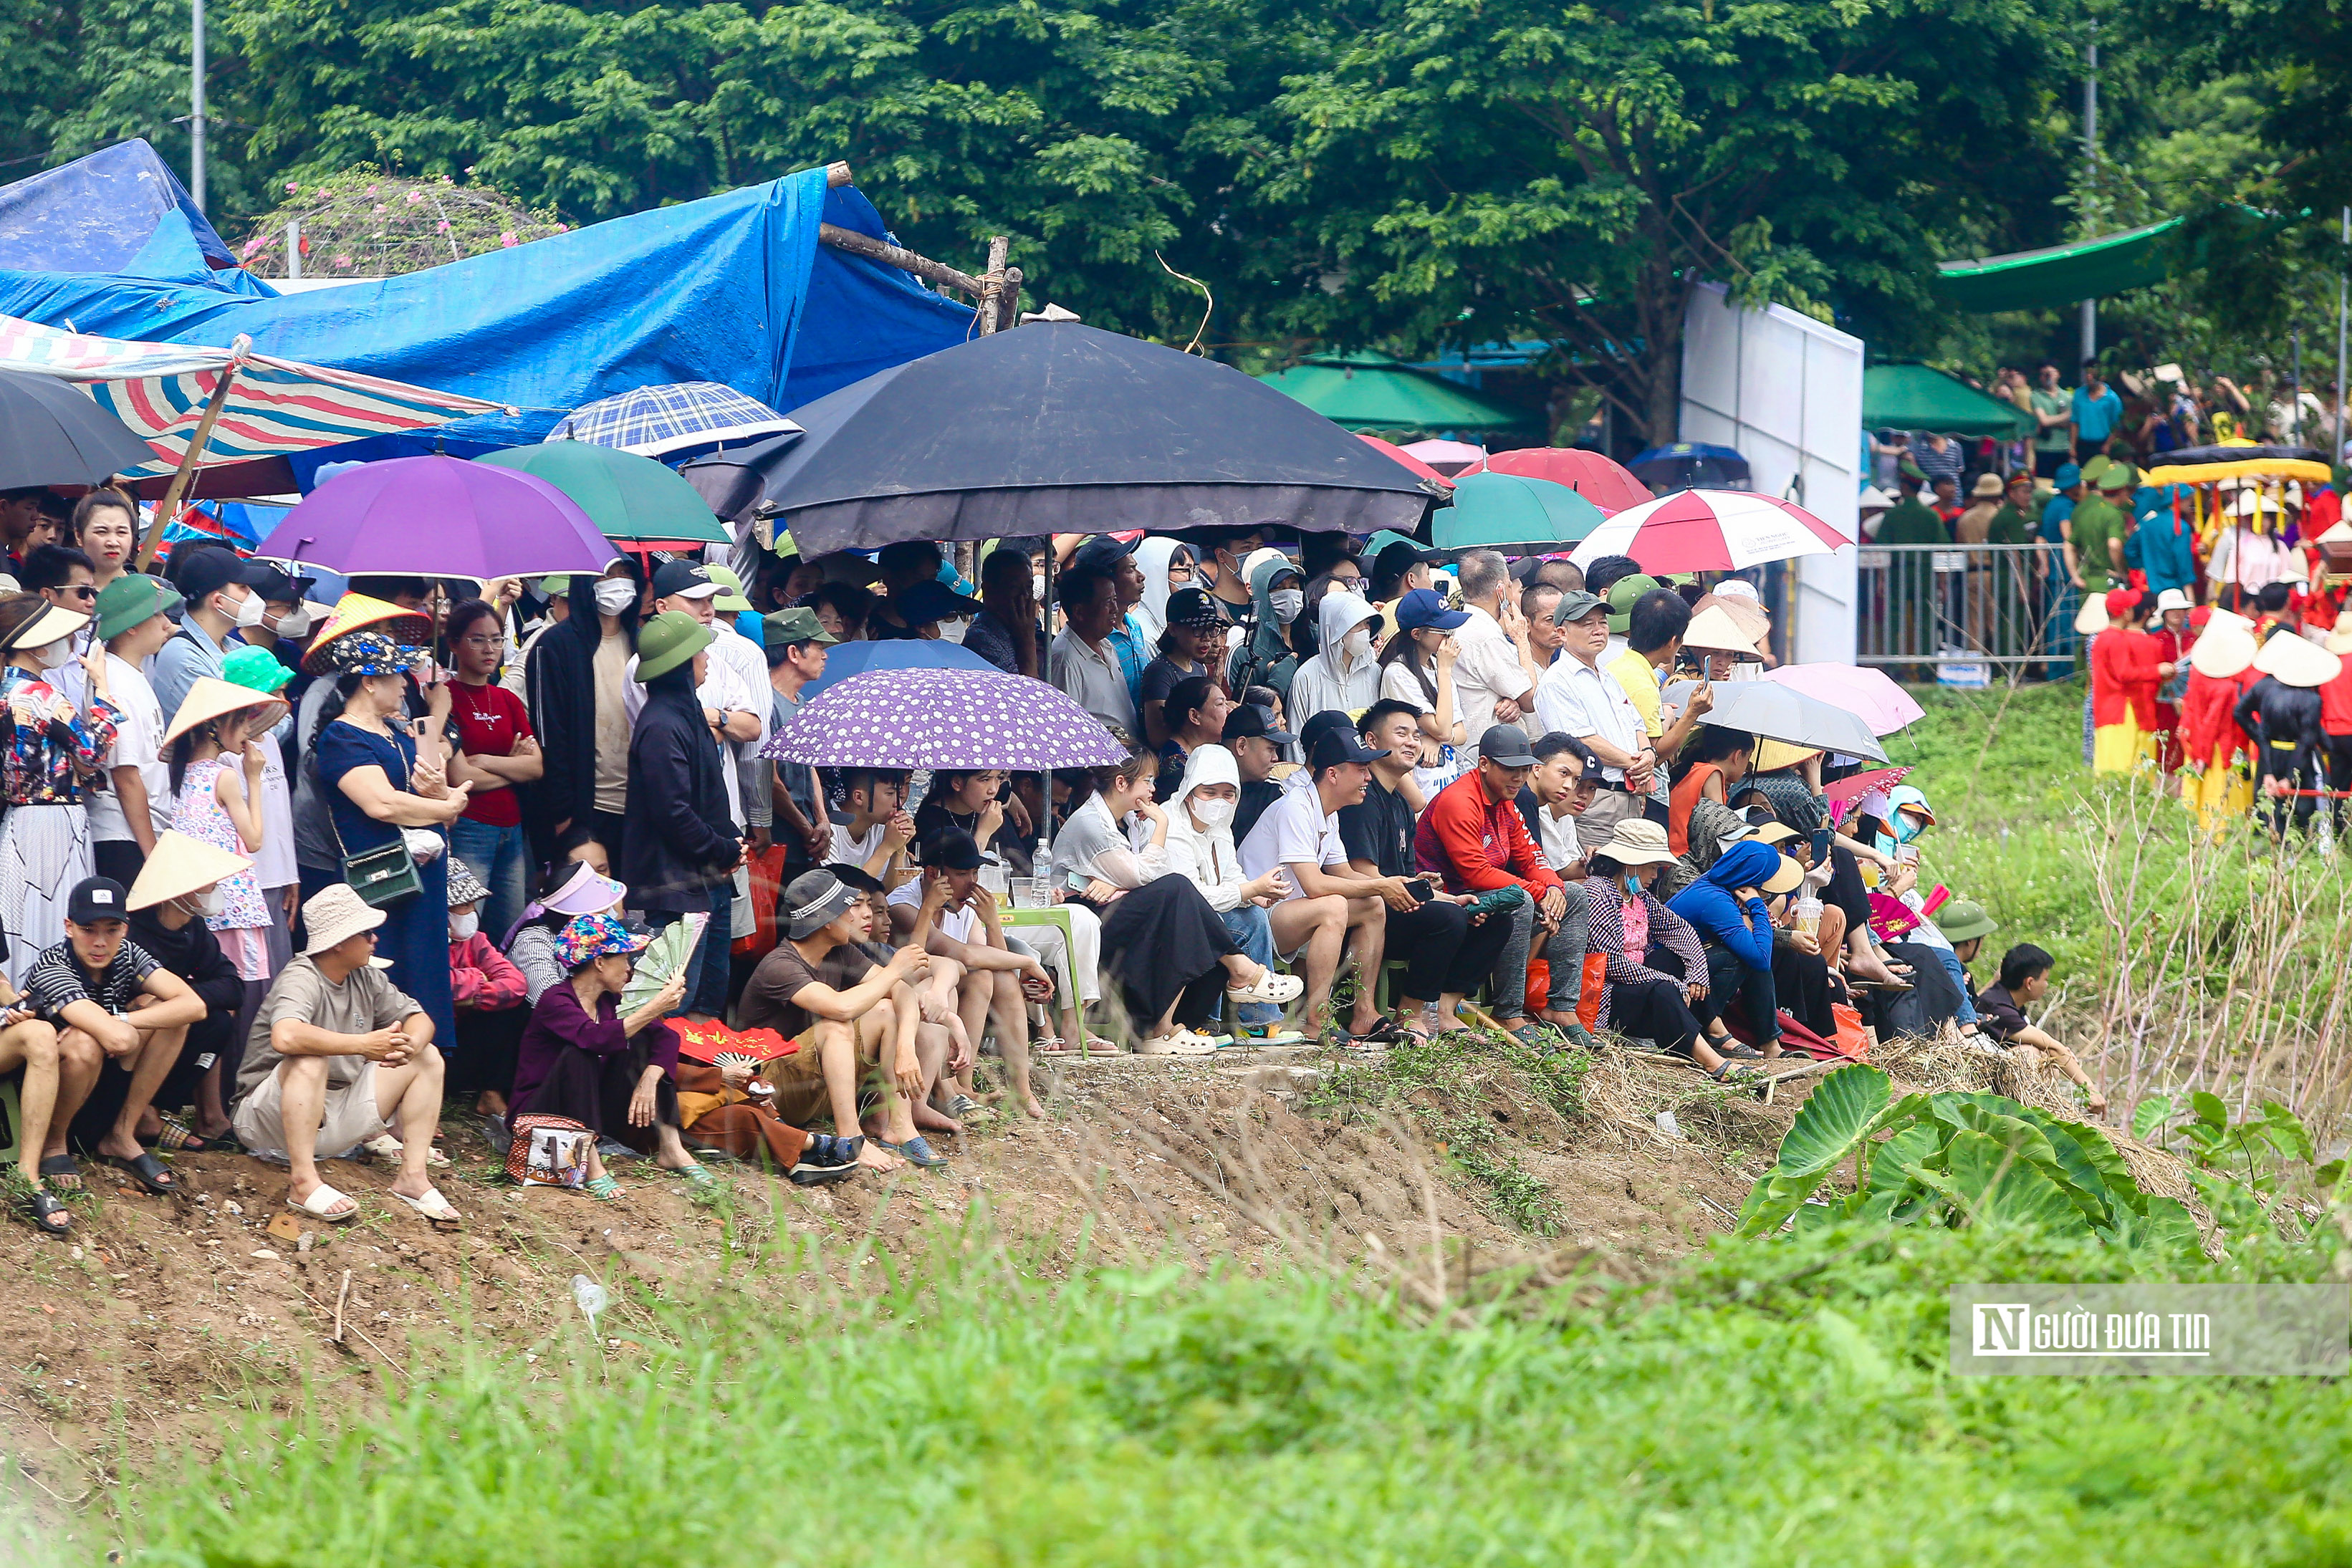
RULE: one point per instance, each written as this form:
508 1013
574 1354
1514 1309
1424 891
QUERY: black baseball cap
1506 745
210 570
1340 745
952 848
1397 558
931 600
856 877
683 579
97 898
1196 608
1103 552
1250 720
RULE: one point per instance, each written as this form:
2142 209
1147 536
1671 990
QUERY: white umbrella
1709 530
1773 712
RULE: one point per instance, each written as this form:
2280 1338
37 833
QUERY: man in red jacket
1474 838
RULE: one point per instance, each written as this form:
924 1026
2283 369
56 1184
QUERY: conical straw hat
180 866
2218 656
2297 661
208 699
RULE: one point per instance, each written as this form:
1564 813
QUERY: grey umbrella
1773 712
1060 428
56 434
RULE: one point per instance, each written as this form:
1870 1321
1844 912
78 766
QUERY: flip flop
694 1175
321 1206
435 1208
603 1189
59 1174
49 1216
178 1138
148 1172
916 1151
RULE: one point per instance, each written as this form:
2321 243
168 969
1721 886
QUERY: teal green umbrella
631 499
1511 513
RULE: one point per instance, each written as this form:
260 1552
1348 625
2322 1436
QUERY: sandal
148 1172
59 1174
1269 988
322 1204
964 1108
1182 1042
49 1216
1052 1045
1733 1072
916 1150
603 1189
1388 1031
1334 1037
695 1175
178 1138
434 1208
1526 1034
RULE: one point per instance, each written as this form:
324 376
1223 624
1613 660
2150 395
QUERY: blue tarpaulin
122 210
731 289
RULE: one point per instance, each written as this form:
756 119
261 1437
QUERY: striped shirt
58 980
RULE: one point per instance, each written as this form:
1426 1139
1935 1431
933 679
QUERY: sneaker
827 1158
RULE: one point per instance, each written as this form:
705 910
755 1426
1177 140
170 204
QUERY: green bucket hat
554 586
1622 593
729 600
799 624
2096 468
669 640
131 599
256 669
1961 921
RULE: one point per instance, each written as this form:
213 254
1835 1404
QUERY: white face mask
464 925
1212 813
1287 603
1357 644
1038 586
202 906
294 622
54 655
249 611
616 594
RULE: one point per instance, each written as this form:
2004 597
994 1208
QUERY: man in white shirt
1578 697
1495 669
1329 906
1082 661
133 621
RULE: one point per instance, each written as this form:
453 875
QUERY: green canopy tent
1911 396
2092 268
1373 393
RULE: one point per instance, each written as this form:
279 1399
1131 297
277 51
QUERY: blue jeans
1253 933
497 856
706 969
1968 1013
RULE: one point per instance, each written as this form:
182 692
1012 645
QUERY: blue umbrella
847 659
680 417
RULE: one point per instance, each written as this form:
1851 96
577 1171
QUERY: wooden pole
186 473
1008 308
992 286
873 249
836 175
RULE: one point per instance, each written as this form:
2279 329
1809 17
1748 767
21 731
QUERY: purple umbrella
945 718
439 516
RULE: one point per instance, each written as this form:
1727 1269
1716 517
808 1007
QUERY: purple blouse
559 1023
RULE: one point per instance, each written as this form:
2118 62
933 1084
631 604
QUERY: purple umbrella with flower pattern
945 718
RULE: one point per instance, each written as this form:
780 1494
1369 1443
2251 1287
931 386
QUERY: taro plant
1954 1160
2235 1167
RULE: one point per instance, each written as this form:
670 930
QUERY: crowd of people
287 873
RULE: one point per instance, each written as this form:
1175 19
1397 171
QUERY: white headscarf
1207 855
1152 558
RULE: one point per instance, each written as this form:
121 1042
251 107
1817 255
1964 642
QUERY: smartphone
1821 846
1422 888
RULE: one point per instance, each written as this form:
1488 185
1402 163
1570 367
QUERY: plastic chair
8 1102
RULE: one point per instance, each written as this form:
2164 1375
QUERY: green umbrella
1510 512
631 499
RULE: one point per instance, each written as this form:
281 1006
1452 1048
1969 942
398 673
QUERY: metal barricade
1954 605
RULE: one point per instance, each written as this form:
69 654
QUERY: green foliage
1754 1408
1958 1160
2236 1166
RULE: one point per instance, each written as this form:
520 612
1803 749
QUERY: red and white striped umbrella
1709 530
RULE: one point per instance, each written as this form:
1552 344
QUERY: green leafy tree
1485 169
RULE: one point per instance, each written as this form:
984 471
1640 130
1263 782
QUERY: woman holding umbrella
53 753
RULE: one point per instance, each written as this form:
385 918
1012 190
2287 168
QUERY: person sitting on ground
1656 969
1563 786
571 888
1201 846
1344 675
1255 737
844 1014
1727 908
965 932
728 1109
1331 908
491 993
871 825
1473 840
1196 709
582 1059
337 1053
1191 646
1448 952
1169 951
2025 980
177 888
103 988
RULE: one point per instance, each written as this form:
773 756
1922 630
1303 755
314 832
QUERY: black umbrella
1060 428
52 432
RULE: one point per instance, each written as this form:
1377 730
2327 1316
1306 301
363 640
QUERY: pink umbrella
1598 479
1448 457
1391 449
1710 530
1867 693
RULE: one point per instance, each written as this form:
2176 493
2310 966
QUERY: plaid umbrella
681 416
945 718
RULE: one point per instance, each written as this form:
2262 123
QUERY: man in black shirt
1446 956
168 904
1257 747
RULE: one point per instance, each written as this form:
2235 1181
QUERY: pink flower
378 207
507 240
414 197
469 168
291 187
441 227
564 228
342 261
371 190
253 246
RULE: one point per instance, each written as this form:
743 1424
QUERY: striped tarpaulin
276 407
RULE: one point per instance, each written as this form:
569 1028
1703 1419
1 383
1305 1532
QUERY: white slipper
321 1202
1183 1042
1268 987
432 1206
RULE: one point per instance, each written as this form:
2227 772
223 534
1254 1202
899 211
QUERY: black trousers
118 859
2339 776
1443 953
1800 981
1163 944
1730 982
484 1059
1656 1010
594 1091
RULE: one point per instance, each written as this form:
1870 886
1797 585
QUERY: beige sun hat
2092 619
1784 879
2295 661
1715 629
179 866
208 699
2218 654
336 913
1638 841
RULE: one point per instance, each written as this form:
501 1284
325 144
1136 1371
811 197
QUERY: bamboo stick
186 473
873 249
991 285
